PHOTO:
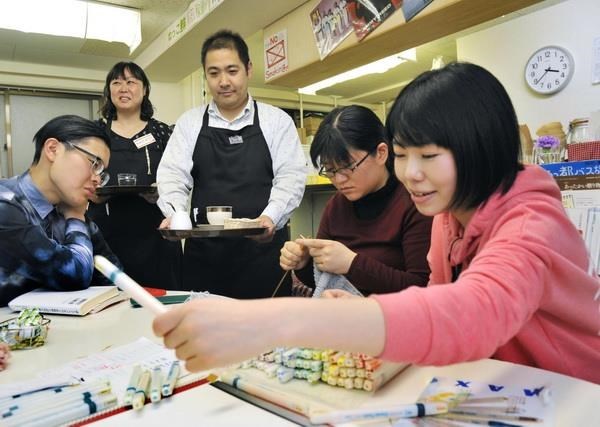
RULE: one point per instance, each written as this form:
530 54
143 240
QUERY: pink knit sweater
525 294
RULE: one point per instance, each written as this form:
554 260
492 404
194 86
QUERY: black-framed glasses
346 170
96 163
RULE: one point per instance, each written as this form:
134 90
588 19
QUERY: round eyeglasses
345 171
96 163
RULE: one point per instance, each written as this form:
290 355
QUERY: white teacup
180 221
216 215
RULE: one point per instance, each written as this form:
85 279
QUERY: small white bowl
216 215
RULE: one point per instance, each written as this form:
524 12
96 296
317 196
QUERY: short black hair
344 128
108 109
226 39
465 109
69 128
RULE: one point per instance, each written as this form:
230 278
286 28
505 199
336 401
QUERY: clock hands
542 76
546 71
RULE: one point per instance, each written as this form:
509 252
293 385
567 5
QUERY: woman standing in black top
129 222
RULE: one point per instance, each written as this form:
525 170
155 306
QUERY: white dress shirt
174 177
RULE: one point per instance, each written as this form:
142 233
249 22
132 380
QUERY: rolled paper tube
127 284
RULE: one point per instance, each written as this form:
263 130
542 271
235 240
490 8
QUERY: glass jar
578 131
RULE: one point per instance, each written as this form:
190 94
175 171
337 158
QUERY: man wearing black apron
234 152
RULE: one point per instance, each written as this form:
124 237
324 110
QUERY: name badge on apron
236 139
142 141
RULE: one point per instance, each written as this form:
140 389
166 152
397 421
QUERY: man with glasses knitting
45 238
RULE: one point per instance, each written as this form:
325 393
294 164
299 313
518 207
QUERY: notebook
77 303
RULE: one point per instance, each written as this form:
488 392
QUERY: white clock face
549 69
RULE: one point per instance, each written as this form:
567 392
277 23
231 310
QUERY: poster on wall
411 7
275 54
330 24
366 15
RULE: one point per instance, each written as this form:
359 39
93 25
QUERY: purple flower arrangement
547 142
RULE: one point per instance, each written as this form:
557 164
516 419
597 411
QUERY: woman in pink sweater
510 275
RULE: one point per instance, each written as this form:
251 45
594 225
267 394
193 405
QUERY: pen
128 285
169 384
505 416
139 398
478 421
155 384
477 400
395 411
132 386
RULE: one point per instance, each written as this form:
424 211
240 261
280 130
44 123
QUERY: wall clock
549 70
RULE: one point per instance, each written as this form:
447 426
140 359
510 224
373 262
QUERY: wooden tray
112 190
207 230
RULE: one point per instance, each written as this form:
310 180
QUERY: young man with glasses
45 238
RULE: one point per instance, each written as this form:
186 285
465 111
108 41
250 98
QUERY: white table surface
72 337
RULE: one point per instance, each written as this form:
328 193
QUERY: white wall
504 49
168 101
167 98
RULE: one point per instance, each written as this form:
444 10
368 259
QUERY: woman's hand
294 256
329 255
4 355
209 333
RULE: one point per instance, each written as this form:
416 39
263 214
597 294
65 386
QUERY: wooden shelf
439 19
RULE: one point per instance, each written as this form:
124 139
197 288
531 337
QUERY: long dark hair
108 109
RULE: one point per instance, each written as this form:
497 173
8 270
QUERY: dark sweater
387 232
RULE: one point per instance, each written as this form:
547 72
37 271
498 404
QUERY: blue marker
139 397
155 384
169 384
132 386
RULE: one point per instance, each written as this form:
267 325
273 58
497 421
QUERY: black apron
233 168
129 224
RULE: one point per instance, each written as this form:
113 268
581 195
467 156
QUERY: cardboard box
302 135
311 124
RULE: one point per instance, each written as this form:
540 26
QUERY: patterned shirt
39 247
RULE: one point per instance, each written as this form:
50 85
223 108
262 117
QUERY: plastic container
578 131
25 336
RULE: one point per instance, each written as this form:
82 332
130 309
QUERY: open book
78 303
